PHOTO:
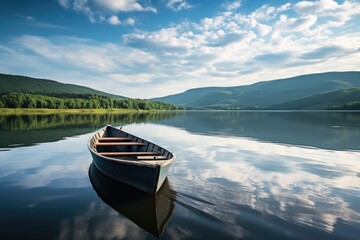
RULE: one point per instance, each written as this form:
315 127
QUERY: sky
153 48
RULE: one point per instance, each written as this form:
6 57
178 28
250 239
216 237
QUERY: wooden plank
129 153
113 139
151 158
119 144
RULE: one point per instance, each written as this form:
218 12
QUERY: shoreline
45 111
42 111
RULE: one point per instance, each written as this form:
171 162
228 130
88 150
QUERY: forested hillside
25 92
13 83
262 95
346 99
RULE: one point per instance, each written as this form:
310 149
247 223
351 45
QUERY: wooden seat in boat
149 158
129 153
119 144
113 139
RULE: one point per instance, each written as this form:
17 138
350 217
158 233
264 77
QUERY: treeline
27 100
347 106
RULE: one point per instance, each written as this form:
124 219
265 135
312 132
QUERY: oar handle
117 135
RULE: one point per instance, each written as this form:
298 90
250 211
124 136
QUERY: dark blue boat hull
143 177
136 162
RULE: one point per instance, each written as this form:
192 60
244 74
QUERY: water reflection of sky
308 186
61 164
244 187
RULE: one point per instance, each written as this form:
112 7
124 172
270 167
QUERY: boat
130 159
149 212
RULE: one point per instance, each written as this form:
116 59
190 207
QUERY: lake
237 175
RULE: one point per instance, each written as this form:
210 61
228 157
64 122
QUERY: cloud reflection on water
98 221
235 183
62 164
293 183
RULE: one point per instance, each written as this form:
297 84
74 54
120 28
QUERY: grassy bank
42 111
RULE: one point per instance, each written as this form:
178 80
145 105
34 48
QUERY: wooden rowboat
130 159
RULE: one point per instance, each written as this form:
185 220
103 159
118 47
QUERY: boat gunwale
146 163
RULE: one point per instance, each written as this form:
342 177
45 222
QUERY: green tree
60 103
13 100
76 101
50 102
70 103
96 103
89 104
41 103
30 101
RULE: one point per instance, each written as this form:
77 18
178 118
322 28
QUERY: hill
26 92
341 99
265 94
22 84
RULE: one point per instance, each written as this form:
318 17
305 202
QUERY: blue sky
151 48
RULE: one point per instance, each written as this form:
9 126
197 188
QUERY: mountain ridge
26 92
24 84
330 90
348 98
263 94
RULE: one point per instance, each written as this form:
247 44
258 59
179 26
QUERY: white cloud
32 21
91 57
123 6
98 10
295 24
64 3
232 5
283 8
316 7
83 7
265 12
131 79
130 21
80 61
213 23
230 48
106 5
178 5
263 29
114 20
168 39
341 12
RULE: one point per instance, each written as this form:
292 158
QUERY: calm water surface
238 175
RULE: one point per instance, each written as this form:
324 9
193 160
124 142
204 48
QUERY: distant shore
47 111
24 111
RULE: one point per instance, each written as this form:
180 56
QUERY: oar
117 135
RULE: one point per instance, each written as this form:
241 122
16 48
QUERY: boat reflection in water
150 212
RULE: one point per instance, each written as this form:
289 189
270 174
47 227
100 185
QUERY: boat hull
147 176
139 176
